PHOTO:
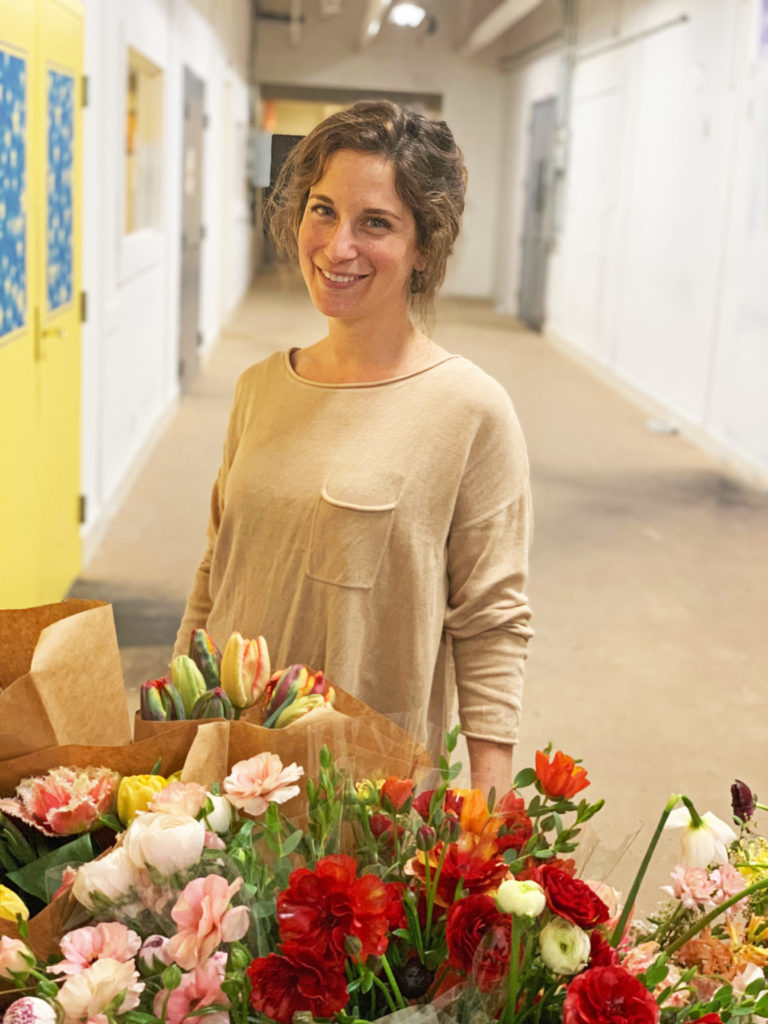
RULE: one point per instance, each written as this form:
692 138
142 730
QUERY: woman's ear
419 260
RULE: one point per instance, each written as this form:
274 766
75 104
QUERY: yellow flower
750 857
135 794
11 905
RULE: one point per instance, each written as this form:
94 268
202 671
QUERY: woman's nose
341 244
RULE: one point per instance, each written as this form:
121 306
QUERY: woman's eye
378 222
322 209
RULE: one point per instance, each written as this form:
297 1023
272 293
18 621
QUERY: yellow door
40 168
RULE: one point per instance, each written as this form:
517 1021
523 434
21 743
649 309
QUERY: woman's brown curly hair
430 178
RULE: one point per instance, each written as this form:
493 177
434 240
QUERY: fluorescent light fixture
373 27
407 15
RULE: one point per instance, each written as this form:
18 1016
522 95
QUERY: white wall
130 339
398 61
658 274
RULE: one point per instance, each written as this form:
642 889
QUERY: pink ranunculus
84 946
167 842
261 780
639 958
15 957
89 993
180 798
693 887
198 989
153 956
213 842
205 919
64 801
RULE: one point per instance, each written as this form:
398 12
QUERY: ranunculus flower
113 875
467 923
205 919
167 842
84 946
12 906
609 994
474 862
564 946
559 776
152 955
702 844
521 898
64 801
325 908
179 798
639 958
395 793
601 952
198 989
571 898
299 980
98 987
261 780
512 826
219 818
30 1010
708 1018
135 793
15 957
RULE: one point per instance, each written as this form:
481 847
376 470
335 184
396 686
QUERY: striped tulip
245 670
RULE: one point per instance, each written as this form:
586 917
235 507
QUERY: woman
371 513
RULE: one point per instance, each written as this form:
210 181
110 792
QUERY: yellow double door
40 298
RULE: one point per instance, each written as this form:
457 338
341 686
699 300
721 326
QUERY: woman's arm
490 764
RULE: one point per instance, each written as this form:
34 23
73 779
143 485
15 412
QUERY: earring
418 282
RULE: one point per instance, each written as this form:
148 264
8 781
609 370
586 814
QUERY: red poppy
299 980
326 908
560 777
571 898
395 793
609 995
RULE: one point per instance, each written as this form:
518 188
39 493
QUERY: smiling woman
371 514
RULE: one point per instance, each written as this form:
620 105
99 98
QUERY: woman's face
357 239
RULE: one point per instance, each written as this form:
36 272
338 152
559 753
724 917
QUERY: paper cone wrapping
60 678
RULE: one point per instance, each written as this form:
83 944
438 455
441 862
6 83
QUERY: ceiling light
407 15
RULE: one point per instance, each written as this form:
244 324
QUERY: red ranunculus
708 1018
395 911
466 922
452 803
609 995
516 827
571 898
381 825
325 907
299 980
560 777
602 953
395 793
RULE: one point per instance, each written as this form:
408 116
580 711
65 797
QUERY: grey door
192 230
538 214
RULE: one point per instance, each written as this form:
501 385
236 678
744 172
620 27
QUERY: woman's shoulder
473 388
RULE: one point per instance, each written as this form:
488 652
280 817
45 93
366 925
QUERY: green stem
632 896
392 981
513 979
709 917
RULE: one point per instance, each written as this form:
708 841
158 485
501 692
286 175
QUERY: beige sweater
379 532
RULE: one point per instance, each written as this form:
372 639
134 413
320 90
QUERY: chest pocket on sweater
351 525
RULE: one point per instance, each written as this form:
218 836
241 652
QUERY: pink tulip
198 989
84 946
64 801
261 780
205 920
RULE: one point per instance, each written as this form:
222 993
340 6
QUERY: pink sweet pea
84 946
104 984
261 780
180 798
205 920
200 988
64 801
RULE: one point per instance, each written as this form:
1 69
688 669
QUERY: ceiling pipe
375 13
496 23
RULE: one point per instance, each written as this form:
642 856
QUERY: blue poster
13 188
59 188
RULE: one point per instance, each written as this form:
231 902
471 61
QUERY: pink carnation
205 920
261 780
84 946
180 798
64 801
198 989
692 886
727 882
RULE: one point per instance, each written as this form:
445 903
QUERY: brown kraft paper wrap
60 678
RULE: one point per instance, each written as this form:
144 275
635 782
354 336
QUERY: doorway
192 228
536 241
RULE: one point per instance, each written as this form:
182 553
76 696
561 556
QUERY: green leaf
155 769
656 973
292 842
32 878
526 777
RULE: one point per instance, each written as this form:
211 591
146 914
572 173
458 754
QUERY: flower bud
206 655
160 701
426 837
16 958
30 1010
742 801
523 899
213 704
219 817
152 957
245 670
135 794
396 794
565 947
12 906
188 680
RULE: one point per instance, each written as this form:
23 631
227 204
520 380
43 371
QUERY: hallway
648 569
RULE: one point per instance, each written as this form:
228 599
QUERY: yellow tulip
135 794
11 905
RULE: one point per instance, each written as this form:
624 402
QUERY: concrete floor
648 573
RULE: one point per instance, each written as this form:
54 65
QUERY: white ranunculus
705 844
565 947
112 875
167 842
523 899
220 817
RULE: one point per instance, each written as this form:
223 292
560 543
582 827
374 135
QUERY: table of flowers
197 873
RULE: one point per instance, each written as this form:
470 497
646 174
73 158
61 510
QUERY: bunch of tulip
388 901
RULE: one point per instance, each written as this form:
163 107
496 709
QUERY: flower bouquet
391 903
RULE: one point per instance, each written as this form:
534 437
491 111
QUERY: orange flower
395 793
560 777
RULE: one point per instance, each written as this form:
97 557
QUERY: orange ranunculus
395 793
560 777
473 816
